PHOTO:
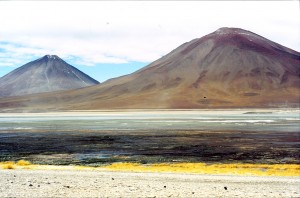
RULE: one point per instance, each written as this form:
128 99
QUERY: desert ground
64 183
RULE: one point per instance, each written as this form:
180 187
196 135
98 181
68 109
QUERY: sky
107 39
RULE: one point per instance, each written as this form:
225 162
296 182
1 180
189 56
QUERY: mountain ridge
228 68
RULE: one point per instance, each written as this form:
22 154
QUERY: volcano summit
47 74
228 68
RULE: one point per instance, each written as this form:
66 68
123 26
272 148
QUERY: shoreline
148 111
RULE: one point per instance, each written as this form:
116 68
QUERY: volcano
47 74
228 68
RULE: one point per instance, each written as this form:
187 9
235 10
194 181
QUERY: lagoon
99 137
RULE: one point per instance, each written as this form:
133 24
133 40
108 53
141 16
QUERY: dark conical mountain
47 74
228 68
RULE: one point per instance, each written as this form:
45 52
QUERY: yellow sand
198 168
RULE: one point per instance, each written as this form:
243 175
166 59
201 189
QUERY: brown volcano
228 68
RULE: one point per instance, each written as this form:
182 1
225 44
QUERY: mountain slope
47 74
229 68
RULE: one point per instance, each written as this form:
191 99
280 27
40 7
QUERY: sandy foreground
66 183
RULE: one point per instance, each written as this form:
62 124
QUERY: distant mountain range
229 68
47 74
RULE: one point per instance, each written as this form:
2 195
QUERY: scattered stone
112 179
14 175
133 185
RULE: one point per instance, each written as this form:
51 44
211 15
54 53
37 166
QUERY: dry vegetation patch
196 168
202 168
14 165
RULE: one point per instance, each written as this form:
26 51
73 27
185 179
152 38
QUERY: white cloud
120 32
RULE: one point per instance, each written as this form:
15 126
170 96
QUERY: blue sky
106 39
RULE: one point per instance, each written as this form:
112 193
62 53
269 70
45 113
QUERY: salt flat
65 183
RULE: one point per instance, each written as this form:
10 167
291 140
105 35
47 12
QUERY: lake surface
93 138
276 120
